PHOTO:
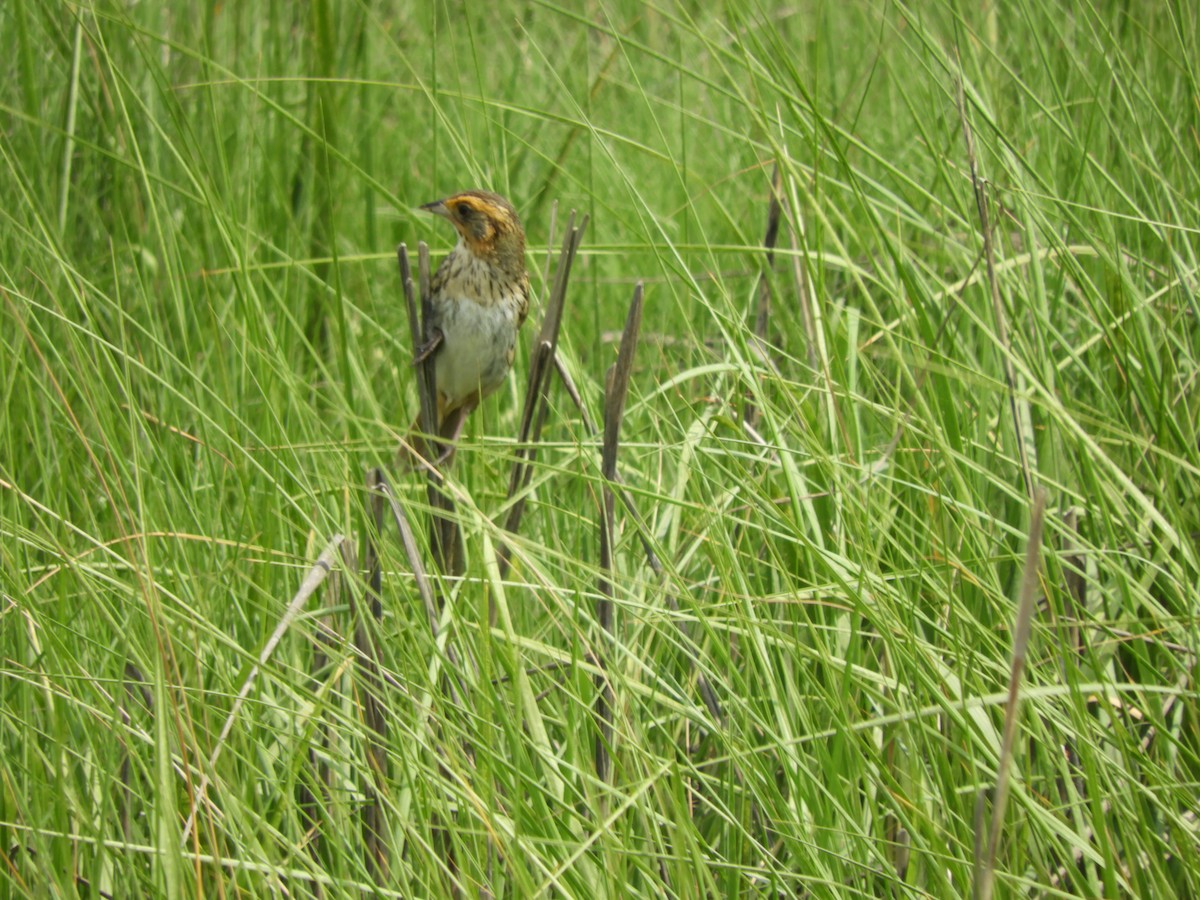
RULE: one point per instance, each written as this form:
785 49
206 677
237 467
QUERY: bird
479 299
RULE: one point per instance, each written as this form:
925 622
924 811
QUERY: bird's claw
426 350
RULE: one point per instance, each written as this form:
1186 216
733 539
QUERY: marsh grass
204 350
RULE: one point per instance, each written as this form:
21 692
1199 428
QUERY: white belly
477 349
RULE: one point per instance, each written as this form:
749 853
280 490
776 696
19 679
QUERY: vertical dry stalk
426 372
986 870
444 533
616 390
365 643
541 365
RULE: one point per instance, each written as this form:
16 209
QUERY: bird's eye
463 209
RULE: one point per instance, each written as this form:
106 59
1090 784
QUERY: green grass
203 349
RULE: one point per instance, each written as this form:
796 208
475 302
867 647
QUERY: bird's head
488 224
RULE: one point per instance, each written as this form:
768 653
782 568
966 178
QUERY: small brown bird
479 297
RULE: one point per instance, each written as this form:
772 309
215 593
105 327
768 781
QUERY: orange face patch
479 217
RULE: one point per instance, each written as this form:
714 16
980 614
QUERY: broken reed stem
312 580
616 390
604 615
541 364
365 643
989 254
444 533
426 372
545 345
1026 603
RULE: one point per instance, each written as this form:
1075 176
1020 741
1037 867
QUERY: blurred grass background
203 348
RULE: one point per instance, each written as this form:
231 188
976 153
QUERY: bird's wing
434 342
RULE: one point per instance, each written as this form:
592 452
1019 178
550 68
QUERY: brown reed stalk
616 390
367 647
541 365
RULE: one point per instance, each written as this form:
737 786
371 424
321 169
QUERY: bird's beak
438 208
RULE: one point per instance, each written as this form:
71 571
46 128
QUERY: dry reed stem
616 391
533 413
365 642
